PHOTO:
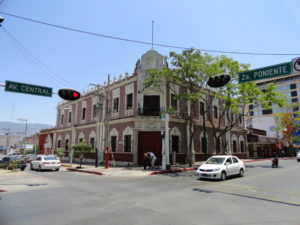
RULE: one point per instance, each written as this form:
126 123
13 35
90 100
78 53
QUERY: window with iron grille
202 108
215 112
242 146
218 145
174 102
129 101
113 143
59 143
234 146
92 143
127 143
94 111
116 105
70 117
67 144
175 143
83 113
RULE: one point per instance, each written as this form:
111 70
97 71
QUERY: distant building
45 141
289 87
9 143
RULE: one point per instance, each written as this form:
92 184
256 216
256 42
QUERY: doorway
149 141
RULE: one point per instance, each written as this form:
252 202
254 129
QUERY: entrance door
149 141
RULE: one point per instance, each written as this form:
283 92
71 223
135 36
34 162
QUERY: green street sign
266 72
27 88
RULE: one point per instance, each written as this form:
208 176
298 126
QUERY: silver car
220 167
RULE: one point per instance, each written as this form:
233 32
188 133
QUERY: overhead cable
144 42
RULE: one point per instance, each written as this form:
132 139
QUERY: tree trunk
190 150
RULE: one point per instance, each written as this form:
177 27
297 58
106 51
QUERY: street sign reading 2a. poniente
13 86
265 72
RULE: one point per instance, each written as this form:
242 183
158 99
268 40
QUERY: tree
81 149
191 70
60 152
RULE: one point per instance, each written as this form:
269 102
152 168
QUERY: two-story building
133 120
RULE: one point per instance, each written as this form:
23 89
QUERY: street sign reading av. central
266 72
23 88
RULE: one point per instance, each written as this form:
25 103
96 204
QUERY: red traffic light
218 81
68 94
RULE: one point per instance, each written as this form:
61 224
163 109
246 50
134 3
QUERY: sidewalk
139 170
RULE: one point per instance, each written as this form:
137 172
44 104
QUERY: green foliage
13 165
191 69
60 152
81 149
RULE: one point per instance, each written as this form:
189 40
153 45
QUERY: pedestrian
146 160
152 159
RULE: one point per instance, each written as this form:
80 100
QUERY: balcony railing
153 111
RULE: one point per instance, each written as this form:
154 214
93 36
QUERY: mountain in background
18 129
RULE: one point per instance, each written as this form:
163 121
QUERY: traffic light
68 94
219 80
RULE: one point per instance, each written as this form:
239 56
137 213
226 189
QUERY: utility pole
7 139
106 141
24 140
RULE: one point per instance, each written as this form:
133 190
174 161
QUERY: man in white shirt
152 159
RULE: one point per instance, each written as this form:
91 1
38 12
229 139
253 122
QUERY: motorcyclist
275 161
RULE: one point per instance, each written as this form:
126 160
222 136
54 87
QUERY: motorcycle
275 162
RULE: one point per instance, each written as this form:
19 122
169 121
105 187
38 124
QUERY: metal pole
107 116
167 141
204 143
97 126
24 140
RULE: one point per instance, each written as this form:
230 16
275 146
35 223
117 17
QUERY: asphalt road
264 196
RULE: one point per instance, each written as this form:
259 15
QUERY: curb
85 171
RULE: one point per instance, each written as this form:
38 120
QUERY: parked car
220 167
45 162
30 157
5 161
298 156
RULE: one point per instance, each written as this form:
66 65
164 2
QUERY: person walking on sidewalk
152 159
146 160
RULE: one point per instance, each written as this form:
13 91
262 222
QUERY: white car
298 156
220 167
45 162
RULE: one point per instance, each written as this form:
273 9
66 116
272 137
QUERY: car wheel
57 169
40 168
223 176
298 160
241 173
31 167
23 168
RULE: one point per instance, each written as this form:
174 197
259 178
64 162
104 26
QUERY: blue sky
76 59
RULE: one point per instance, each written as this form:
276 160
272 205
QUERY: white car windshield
216 160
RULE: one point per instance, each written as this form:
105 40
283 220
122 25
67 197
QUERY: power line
144 42
35 62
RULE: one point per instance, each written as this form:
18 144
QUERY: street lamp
24 141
